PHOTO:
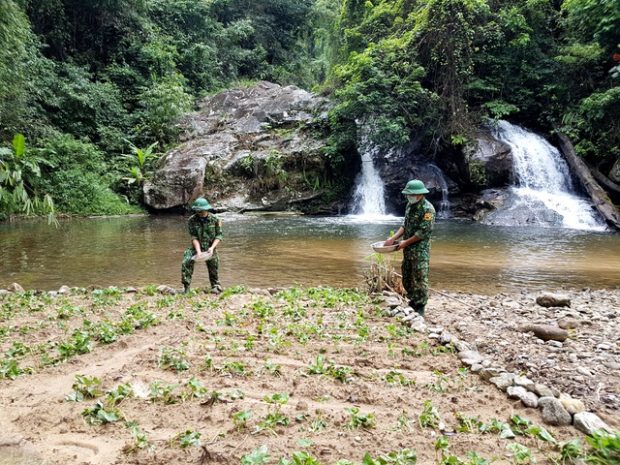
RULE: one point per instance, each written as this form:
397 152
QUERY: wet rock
546 332
588 423
15 287
503 381
131 290
553 300
489 161
571 405
553 412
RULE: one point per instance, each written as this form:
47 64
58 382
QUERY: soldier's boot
216 289
419 310
185 288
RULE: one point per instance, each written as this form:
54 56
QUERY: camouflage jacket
419 221
205 229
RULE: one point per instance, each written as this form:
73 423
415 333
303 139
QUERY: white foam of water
369 195
544 178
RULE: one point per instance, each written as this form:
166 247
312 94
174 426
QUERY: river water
263 251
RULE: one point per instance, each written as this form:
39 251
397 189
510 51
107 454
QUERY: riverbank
145 376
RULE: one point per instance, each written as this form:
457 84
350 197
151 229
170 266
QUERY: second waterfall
369 195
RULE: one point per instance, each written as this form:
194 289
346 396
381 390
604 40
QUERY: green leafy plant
241 418
100 414
18 172
258 456
173 358
358 419
85 387
520 454
429 418
189 438
604 448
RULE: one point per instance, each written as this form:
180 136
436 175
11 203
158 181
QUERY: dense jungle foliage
96 86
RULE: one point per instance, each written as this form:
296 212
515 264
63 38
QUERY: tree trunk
600 198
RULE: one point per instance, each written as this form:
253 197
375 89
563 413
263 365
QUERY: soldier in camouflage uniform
415 244
206 231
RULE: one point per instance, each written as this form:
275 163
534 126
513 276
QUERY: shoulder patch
428 216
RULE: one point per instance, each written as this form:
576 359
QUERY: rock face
245 149
489 162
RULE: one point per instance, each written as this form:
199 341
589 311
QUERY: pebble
557 344
604 346
470 357
584 371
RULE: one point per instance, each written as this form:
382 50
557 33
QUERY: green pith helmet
415 187
201 204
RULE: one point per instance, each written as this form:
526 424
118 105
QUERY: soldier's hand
389 241
401 245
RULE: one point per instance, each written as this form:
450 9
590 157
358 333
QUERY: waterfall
369 195
444 206
544 194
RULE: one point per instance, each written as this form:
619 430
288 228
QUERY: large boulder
245 149
489 162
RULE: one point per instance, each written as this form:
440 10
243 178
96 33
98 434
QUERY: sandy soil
206 362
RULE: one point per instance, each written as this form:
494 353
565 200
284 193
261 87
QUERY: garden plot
300 376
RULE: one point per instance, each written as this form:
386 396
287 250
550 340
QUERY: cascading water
444 206
544 193
369 195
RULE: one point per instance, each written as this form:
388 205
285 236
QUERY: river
264 251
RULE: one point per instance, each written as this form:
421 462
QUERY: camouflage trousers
415 282
187 268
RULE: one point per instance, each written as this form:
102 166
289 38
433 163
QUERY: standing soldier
206 231
416 245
